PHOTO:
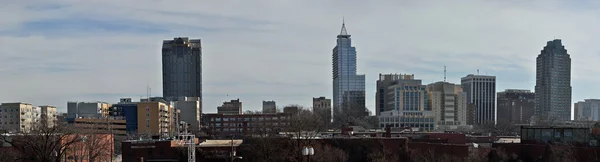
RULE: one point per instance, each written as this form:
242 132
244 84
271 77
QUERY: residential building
269 107
449 104
18 117
182 68
515 106
87 109
49 115
129 111
382 96
247 124
348 87
481 91
553 83
322 107
156 118
411 107
587 110
231 107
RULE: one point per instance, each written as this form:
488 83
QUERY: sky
54 51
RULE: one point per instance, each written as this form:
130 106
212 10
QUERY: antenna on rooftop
444 73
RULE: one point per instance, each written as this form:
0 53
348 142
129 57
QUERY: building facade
110 125
348 87
230 108
382 97
182 68
129 111
247 124
156 118
449 104
515 106
18 117
481 91
191 111
411 107
269 107
587 110
87 109
49 115
553 83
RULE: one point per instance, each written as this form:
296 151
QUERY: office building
481 91
553 83
322 107
587 110
515 106
48 115
348 87
449 105
129 111
156 118
87 109
182 68
231 107
190 111
269 107
411 107
382 97
18 117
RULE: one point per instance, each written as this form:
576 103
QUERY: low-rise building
87 109
231 107
107 125
246 124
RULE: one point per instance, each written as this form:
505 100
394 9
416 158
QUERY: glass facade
182 68
348 87
553 83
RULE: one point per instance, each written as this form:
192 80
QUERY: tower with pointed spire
348 86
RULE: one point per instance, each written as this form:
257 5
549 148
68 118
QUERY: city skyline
48 63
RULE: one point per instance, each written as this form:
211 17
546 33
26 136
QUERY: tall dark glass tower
553 83
348 87
182 68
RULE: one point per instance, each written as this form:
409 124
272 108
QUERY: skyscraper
553 83
383 96
515 106
481 91
182 68
348 87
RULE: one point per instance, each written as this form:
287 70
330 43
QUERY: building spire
343 32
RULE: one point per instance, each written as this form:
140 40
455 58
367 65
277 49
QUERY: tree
353 115
42 143
328 153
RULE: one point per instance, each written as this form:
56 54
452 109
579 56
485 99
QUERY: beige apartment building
18 117
48 114
156 118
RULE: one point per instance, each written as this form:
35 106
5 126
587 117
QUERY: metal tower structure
189 141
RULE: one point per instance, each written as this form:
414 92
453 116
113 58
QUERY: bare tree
328 153
353 115
42 143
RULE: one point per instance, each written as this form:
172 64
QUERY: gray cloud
280 50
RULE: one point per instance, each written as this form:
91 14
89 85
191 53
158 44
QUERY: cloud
101 50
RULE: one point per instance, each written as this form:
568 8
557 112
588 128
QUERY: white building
587 110
48 113
18 117
87 109
481 91
191 111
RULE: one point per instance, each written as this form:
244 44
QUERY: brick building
246 124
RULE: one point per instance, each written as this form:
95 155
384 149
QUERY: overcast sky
56 51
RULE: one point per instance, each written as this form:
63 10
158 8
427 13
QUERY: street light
308 151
